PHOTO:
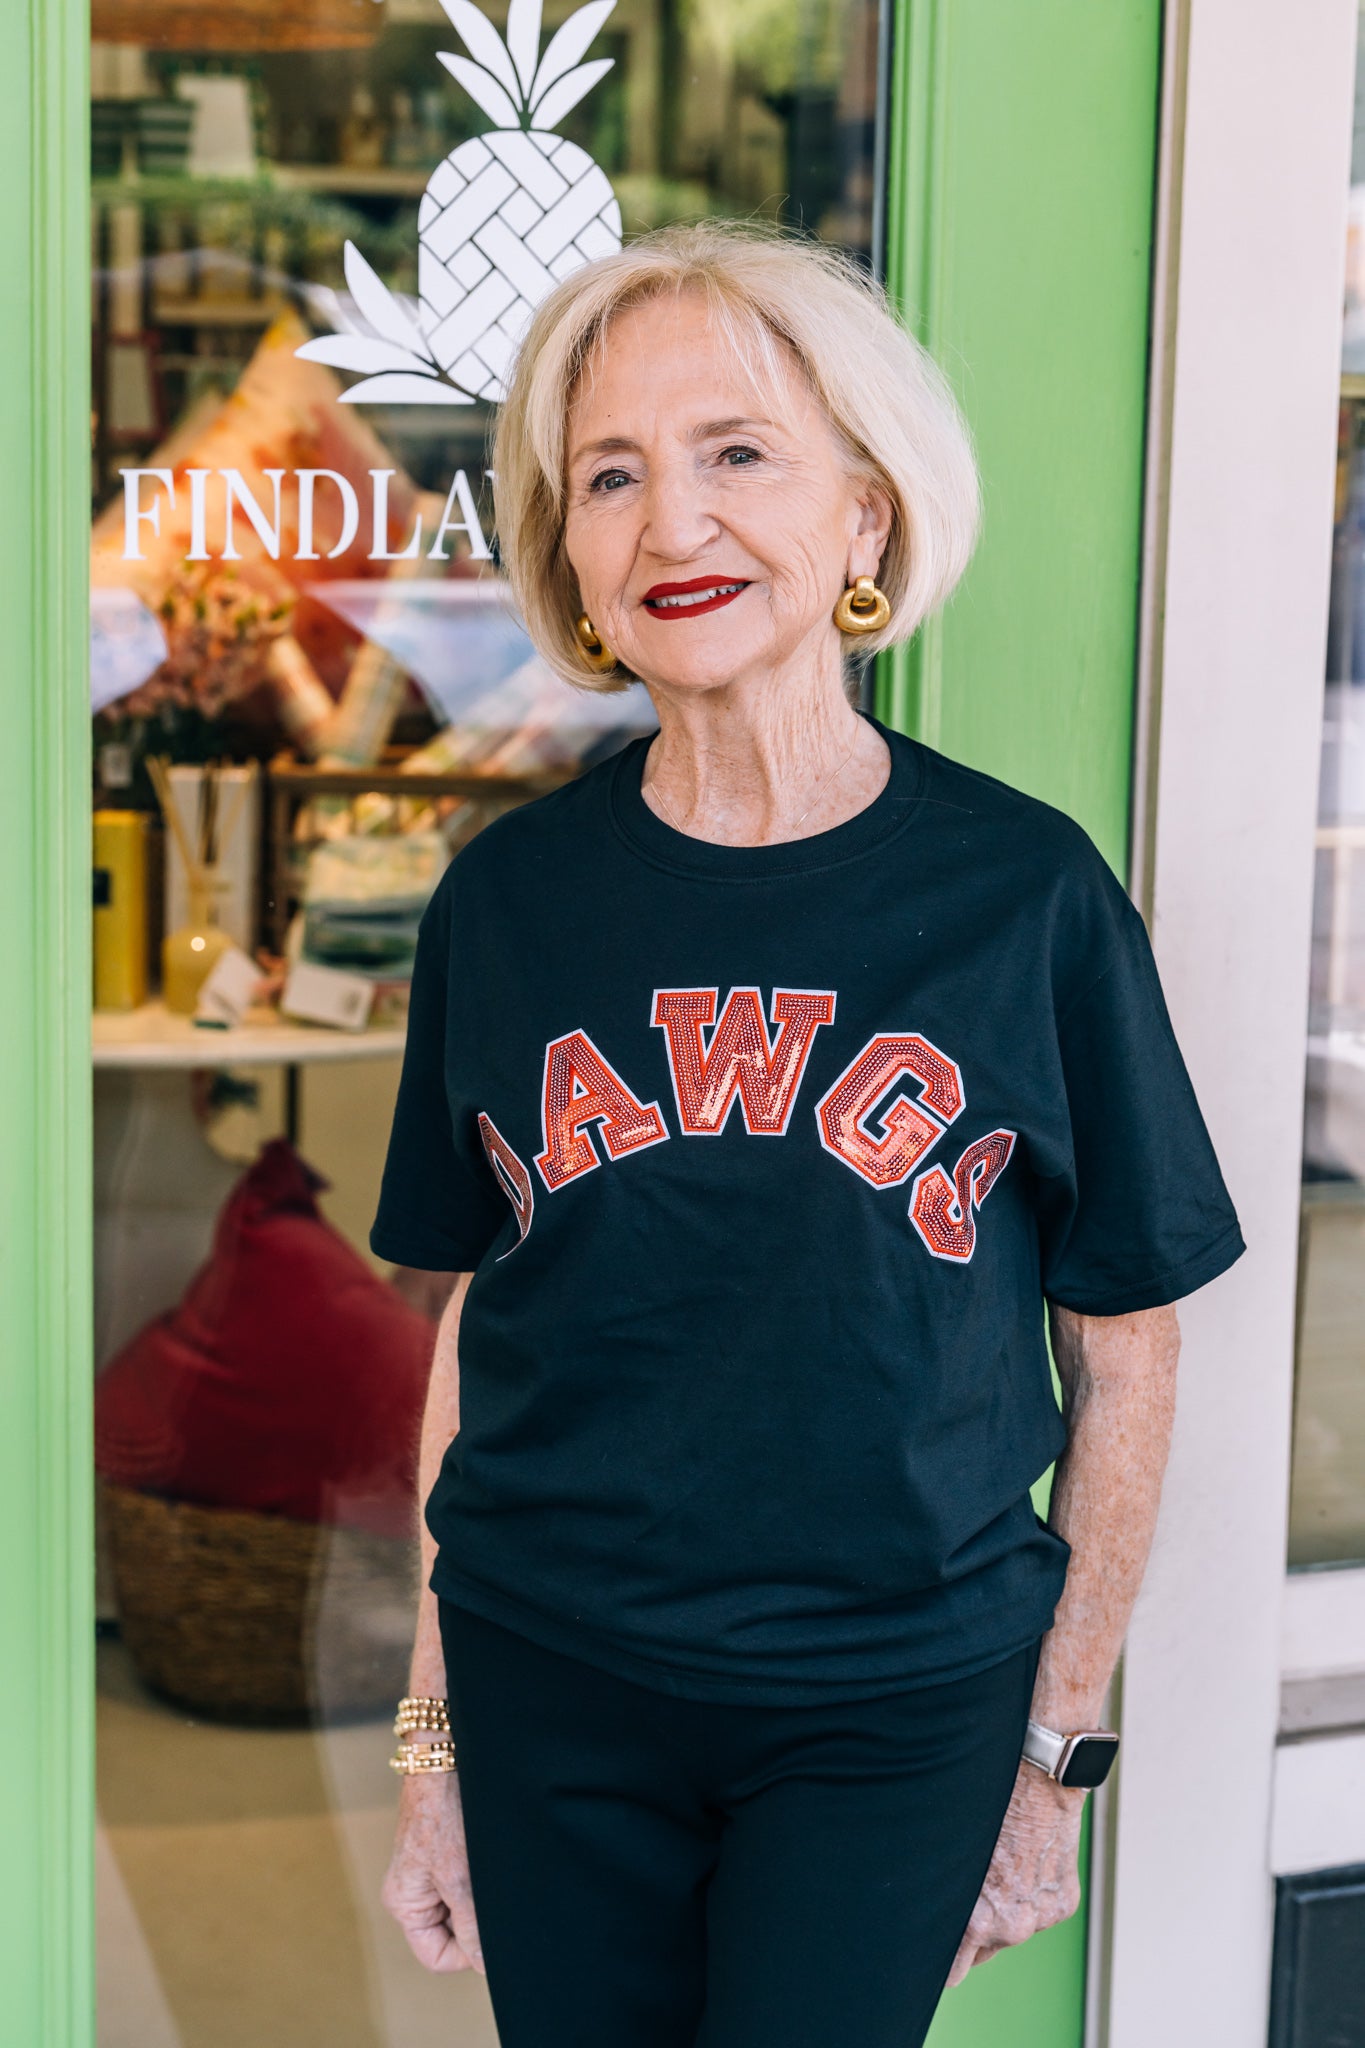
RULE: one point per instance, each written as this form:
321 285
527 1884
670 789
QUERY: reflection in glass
308 691
1327 1500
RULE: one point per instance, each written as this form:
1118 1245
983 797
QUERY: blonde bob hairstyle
886 399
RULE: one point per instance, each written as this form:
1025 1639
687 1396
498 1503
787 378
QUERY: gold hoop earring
597 655
864 609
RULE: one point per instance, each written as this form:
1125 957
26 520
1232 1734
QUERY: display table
153 1036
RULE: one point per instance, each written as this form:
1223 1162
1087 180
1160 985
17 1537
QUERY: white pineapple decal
503 219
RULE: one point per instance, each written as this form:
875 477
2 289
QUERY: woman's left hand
1034 1876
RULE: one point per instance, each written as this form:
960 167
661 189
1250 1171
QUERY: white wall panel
1318 1811
1237 641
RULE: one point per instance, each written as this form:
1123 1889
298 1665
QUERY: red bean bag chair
290 1379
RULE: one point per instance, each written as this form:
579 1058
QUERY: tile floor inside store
238 1888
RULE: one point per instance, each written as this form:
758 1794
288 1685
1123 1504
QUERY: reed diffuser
188 955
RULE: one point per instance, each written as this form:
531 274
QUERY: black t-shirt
763 1160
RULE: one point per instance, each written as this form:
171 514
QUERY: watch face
1090 1760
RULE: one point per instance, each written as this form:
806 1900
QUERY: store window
319 226
1327 1501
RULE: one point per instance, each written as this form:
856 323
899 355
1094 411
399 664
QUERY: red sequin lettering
581 1088
510 1174
908 1129
941 1209
738 1062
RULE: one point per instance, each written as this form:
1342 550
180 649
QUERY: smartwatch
1083 1759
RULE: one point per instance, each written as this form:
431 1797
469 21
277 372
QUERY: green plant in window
773 44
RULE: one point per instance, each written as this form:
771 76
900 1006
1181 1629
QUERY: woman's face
711 525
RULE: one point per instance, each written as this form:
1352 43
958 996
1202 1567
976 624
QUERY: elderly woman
761 1088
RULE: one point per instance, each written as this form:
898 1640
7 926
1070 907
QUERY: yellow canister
120 886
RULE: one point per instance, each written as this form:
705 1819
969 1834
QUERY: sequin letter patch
887 1157
511 1177
941 1209
580 1089
738 1062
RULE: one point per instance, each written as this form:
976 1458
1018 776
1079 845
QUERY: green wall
1019 245
46 1604
1022 175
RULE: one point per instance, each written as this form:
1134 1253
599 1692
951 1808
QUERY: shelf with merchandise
179 188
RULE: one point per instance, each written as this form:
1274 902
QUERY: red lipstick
689 600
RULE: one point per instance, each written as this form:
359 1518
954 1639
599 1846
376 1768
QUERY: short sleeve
1141 1217
439 1207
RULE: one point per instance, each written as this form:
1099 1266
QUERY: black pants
651 1872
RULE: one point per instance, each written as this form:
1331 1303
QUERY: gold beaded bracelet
431 1716
424 1759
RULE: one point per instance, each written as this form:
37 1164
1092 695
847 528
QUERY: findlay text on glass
213 511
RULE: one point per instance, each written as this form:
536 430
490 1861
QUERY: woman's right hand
427 1886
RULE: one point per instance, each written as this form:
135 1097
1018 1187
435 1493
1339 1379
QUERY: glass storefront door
1327 1500
318 228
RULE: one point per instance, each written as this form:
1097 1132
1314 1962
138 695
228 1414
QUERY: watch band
1044 1747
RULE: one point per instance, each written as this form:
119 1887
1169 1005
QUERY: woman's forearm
427 1888
440 1421
1118 1380
1118 1389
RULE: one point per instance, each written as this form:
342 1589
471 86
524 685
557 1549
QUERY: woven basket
253 1618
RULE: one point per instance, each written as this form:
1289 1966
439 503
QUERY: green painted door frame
1019 223
1022 176
46 1596
1019 243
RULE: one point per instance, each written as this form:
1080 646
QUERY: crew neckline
648 834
